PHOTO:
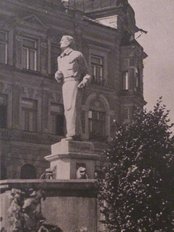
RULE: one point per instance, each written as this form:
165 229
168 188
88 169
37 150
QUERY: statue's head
81 173
66 41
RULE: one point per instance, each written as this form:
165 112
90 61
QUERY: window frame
127 117
28 53
125 80
5 105
59 111
29 115
98 68
99 122
100 52
138 78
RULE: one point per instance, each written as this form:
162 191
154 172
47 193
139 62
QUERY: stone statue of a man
73 73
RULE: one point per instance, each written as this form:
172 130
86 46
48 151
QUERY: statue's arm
58 74
84 71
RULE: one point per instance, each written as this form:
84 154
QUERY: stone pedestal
67 156
69 204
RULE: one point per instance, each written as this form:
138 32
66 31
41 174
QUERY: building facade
31 107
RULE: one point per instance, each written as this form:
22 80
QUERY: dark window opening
97 125
3 111
3 171
28 171
30 53
57 119
57 124
29 115
127 114
97 65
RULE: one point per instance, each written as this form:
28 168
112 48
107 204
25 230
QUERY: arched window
97 124
96 118
28 171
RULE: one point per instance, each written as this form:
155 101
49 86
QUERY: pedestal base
70 157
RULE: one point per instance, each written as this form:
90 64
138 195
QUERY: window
30 52
3 171
3 47
29 114
28 171
125 80
3 111
137 78
127 113
96 121
97 65
57 119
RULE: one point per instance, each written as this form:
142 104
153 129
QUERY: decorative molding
44 44
5 88
29 92
98 48
19 38
97 99
34 20
56 98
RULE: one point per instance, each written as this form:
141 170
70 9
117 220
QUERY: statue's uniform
73 66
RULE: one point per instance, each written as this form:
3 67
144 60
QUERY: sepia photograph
86 116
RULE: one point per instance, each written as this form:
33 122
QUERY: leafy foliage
137 183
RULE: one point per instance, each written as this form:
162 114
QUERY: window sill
12 68
10 134
31 71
